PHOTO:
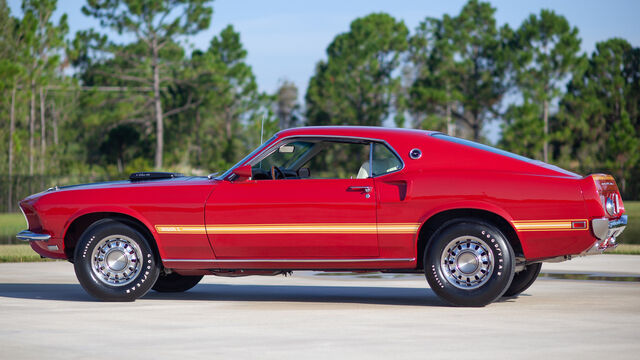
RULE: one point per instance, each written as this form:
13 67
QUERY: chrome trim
268 150
288 260
366 189
417 156
53 247
27 235
604 228
24 215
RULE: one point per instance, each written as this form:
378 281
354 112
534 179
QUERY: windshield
260 148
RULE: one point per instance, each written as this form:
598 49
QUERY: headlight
610 206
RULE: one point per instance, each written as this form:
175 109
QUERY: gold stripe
549 225
317 228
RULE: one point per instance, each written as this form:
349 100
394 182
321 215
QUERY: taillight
609 194
610 204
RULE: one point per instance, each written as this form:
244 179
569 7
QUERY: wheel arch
79 224
436 221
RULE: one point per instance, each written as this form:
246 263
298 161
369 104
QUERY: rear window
483 147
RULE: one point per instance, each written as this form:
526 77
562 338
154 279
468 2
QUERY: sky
286 38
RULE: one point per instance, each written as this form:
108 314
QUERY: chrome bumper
606 231
27 235
604 228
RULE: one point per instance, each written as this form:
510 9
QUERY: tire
114 262
174 282
469 263
523 279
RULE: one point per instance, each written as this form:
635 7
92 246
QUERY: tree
43 44
431 94
460 64
356 84
287 105
225 89
156 26
545 52
9 70
594 120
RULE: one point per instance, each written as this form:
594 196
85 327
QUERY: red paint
448 176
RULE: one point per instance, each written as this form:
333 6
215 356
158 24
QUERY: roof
359 131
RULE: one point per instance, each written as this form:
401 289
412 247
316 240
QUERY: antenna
261 128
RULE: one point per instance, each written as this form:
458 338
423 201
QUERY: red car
477 220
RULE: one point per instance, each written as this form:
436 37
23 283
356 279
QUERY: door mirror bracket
241 173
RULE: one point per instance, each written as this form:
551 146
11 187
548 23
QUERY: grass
10 224
626 249
631 234
19 253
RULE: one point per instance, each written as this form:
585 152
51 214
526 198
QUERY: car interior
325 159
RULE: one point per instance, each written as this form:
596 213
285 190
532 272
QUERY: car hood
119 184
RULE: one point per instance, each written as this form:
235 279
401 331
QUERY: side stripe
330 228
552 225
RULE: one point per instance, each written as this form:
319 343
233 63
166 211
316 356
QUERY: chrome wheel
116 260
467 262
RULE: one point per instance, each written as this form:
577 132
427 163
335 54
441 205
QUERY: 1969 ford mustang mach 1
476 220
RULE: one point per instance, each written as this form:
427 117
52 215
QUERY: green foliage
224 87
356 84
460 70
153 59
544 51
152 101
523 130
595 124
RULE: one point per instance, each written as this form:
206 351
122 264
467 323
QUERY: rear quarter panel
452 176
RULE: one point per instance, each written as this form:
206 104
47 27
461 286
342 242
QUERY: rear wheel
175 282
114 262
469 263
523 279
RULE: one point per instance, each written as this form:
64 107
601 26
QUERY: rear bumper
606 231
605 228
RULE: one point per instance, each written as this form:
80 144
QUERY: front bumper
34 237
27 235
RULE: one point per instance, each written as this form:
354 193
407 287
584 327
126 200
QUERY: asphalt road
45 314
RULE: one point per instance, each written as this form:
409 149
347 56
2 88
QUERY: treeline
91 103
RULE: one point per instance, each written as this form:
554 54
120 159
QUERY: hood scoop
153 175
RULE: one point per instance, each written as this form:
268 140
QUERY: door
310 198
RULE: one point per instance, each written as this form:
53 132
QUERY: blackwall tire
523 280
114 262
469 263
174 282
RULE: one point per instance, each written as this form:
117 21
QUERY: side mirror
242 173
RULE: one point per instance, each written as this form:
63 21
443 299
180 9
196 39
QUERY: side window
285 156
384 160
338 160
314 159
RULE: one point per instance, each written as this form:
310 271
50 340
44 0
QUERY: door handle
365 189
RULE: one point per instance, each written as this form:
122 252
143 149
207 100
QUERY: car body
474 218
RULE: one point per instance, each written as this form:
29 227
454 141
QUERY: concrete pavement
44 313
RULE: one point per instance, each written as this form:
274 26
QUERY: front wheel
175 282
114 262
469 263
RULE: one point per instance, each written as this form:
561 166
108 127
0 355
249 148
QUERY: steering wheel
275 170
